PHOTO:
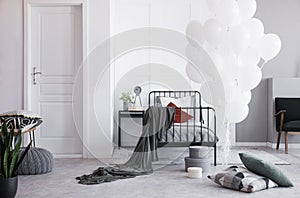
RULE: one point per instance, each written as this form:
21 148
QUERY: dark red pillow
180 116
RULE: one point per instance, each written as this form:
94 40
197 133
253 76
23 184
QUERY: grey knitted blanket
156 120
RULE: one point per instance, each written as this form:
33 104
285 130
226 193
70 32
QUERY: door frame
27 5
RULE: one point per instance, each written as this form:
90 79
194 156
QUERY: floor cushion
265 168
241 179
37 161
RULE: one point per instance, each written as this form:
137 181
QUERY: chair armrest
279 112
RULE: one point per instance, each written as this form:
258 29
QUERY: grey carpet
169 182
174 156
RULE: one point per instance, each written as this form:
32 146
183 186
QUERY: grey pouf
194 162
37 161
199 152
198 157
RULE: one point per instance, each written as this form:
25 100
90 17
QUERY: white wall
152 69
11 58
282 18
98 131
11 55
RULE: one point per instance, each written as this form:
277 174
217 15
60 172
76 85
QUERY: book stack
135 108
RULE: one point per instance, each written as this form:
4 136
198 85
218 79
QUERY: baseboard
68 156
268 144
251 144
281 145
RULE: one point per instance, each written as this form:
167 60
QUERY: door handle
34 73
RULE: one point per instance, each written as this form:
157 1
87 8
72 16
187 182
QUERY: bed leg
215 155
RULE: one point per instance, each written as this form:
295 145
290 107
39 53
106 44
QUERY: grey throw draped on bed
156 121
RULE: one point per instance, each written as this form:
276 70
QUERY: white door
55 45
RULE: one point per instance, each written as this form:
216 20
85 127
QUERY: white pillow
179 102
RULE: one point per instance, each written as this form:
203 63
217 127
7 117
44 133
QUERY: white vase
125 106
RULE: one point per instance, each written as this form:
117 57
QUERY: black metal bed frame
204 112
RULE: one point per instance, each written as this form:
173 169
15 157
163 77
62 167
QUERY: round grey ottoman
194 162
37 161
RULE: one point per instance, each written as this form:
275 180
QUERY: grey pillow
266 169
239 178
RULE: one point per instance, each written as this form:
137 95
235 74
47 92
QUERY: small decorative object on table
127 99
137 90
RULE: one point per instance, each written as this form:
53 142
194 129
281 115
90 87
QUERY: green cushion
266 169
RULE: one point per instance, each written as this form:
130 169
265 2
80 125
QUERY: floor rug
176 155
233 157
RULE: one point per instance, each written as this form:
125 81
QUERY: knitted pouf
37 161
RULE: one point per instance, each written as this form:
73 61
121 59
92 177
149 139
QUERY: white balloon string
226 146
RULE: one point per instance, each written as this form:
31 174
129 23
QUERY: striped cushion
239 178
23 120
21 113
37 161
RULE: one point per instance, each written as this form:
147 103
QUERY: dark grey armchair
287 118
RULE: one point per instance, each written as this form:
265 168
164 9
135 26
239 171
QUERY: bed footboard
193 124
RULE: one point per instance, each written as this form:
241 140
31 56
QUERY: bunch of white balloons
238 46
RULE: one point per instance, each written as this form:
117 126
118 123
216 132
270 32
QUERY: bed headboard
153 96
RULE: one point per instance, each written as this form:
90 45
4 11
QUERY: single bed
193 124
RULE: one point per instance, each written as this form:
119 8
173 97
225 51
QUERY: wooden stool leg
286 142
278 140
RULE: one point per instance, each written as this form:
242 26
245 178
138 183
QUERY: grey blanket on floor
156 121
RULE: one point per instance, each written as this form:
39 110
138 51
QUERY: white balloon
237 94
213 32
270 45
213 5
227 12
230 68
192 53
194 33
194 74
249 77
210 92
239 38
255 28
234 45
246 96
247 8
236 111
217 60
230 87
201 60
229 72
249 56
